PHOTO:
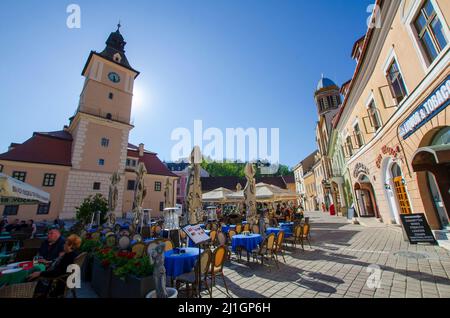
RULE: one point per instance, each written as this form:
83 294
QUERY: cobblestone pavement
337 265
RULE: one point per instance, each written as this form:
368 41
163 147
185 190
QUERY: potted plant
132 278
102 272
89 246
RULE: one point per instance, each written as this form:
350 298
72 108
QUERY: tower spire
118 26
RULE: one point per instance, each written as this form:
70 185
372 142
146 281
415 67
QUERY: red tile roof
211 183
46 148
151 161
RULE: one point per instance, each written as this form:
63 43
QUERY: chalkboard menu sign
417 228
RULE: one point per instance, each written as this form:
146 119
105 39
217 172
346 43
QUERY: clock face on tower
114 77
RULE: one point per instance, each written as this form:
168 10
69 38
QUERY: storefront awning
427 157
15 192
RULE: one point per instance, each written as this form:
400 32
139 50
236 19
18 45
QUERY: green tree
91 205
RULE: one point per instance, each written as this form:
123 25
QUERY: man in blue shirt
52 246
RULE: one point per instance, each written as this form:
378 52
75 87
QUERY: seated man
52 247
58 267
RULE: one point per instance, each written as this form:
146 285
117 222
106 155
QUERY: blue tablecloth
248 242
202 226
226 228
274 230
177 264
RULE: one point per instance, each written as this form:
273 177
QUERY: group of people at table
52 259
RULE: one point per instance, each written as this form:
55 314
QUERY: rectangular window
430 31
10 210
157 186
396 83
1 168
161 206
101 162
96 186
131 163
359 136
349 145
105 142
374 116
49 180
131 185
19 175
43 208
110 95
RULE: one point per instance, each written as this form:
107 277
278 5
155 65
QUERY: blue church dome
325 82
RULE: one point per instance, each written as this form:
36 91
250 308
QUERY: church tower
101 124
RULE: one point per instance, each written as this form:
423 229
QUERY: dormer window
117 58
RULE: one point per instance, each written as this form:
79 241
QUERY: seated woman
58 267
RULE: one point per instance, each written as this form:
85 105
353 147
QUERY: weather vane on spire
118 26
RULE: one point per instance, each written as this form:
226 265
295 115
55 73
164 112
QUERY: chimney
141 150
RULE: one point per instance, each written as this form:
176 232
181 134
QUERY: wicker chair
238 228
169 245
25 290
246 228
183 238
111 241
255 229
193 278
213 237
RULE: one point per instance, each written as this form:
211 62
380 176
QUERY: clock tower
101 124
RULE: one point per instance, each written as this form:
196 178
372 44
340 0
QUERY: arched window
108 116
442 138
396 171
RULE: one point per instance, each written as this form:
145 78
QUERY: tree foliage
91 205
236 169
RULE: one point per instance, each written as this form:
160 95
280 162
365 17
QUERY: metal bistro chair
139 249
193 278
266 248
306 235
218 260
296 237
278 249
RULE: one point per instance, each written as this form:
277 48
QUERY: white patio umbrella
219 195
15 192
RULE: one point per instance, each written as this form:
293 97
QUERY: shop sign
360 168
417 228
386 150
437 101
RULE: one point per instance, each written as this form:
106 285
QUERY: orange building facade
79 160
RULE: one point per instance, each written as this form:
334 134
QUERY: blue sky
234 63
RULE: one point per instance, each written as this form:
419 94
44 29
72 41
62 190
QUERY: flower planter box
86 269
101 279
131 286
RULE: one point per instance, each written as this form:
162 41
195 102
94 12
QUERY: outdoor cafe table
276 230
248 242
177 264
226 228
20 276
